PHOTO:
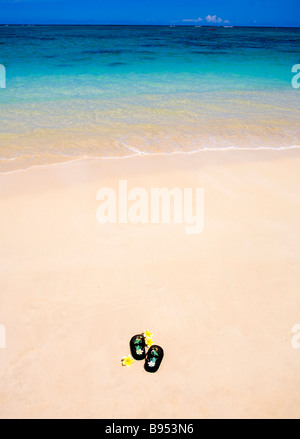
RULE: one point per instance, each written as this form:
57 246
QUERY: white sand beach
222 304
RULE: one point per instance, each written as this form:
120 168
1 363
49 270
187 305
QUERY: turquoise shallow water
77 91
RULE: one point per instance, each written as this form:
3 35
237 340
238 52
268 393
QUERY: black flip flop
154 358
137 347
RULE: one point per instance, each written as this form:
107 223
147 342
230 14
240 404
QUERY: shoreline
145 154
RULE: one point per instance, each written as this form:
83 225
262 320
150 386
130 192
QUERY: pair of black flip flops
152 358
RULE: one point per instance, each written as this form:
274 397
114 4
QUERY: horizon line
143 24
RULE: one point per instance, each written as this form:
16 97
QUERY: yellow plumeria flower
148 334
127 361
149 342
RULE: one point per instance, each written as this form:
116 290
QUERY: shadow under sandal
137 347
154 358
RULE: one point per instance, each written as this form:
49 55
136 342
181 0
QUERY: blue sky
188 12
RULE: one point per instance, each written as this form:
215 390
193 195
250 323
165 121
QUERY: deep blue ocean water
76 91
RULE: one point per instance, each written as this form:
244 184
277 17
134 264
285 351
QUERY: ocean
110 91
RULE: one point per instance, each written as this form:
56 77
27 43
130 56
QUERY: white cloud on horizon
213 19
210 19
